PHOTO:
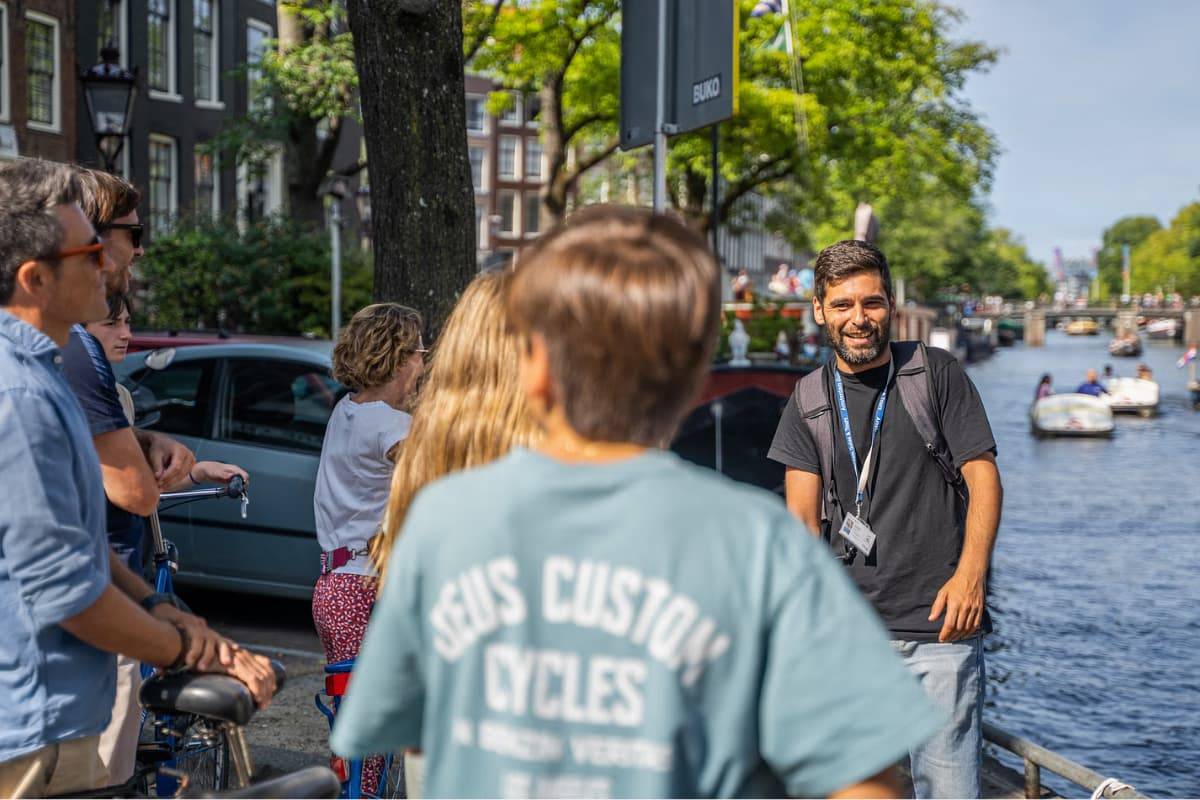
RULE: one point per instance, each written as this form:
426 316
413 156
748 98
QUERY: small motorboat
1082 327
1128 346
1166 328
1071 415
1132 396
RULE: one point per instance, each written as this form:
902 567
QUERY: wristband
185 644
151 600
193 480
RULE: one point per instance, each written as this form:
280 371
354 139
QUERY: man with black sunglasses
136 464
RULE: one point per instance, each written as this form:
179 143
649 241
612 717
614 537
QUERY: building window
476 115
4 109
208 194
533 207
533 159
506 204
114 28
513 115
508 157
480 230
205 52
257 35
533 111
164 183
477 154
160 30
260 188
41 66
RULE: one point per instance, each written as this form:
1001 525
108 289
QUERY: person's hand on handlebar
216 472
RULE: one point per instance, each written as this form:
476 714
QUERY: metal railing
1037 758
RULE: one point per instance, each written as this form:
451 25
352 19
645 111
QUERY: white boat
1132 396
1071 415
1166 328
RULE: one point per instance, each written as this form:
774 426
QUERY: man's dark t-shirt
91 378
916 516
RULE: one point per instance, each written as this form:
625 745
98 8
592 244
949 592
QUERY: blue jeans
952 675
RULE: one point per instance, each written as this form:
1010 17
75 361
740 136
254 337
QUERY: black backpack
915 386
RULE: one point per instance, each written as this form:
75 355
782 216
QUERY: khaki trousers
71 766
118 742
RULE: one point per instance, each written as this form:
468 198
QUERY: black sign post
692 85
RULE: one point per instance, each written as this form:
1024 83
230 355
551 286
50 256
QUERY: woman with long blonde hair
471 410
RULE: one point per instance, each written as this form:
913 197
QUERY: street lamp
110 90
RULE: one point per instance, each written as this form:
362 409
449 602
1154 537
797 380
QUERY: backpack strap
914 380
812 398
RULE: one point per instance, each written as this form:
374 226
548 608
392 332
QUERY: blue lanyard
861 476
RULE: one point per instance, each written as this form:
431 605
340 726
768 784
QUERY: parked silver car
263 407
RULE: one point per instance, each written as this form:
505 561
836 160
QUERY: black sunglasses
134 228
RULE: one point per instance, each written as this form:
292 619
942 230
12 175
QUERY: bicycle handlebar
235 489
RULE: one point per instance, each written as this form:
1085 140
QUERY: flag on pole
1186 358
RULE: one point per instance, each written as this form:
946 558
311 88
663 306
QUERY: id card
858 533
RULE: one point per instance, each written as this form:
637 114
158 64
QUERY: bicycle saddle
218 697
214 696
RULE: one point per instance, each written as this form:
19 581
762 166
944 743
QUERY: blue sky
1096 104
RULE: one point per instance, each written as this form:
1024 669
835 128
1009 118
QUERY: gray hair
30 190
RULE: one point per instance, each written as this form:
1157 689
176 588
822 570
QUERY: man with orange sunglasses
61 617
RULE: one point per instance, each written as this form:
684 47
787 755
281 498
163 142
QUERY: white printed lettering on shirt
599 690
588 594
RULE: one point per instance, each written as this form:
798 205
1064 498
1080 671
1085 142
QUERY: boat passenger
1144 373
597 616
1045 387
1092 385
1108 373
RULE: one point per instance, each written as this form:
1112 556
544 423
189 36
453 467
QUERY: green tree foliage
1168 260
567 53
880 119
1130 231
306 85
271 277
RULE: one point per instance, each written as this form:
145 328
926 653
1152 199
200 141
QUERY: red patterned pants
341 607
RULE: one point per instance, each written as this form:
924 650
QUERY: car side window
279 404
175 399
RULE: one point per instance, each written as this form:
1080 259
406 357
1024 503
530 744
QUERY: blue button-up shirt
53 551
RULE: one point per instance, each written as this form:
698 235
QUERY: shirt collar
25 336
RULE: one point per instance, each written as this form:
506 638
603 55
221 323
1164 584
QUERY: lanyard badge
854 529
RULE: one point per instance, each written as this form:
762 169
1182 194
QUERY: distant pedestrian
1045 387
1092 385
596 617
380 356
879 445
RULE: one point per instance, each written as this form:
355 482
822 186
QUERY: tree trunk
414 119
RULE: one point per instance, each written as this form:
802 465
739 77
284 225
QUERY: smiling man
883 446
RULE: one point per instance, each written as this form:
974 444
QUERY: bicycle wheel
393 783
203 756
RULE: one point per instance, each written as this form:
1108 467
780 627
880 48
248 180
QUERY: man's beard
862 351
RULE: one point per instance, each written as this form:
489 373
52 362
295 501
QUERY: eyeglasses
94 249
135 231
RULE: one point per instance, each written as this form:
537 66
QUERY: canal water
1096 579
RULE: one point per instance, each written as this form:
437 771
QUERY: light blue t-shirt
639 628
53 551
